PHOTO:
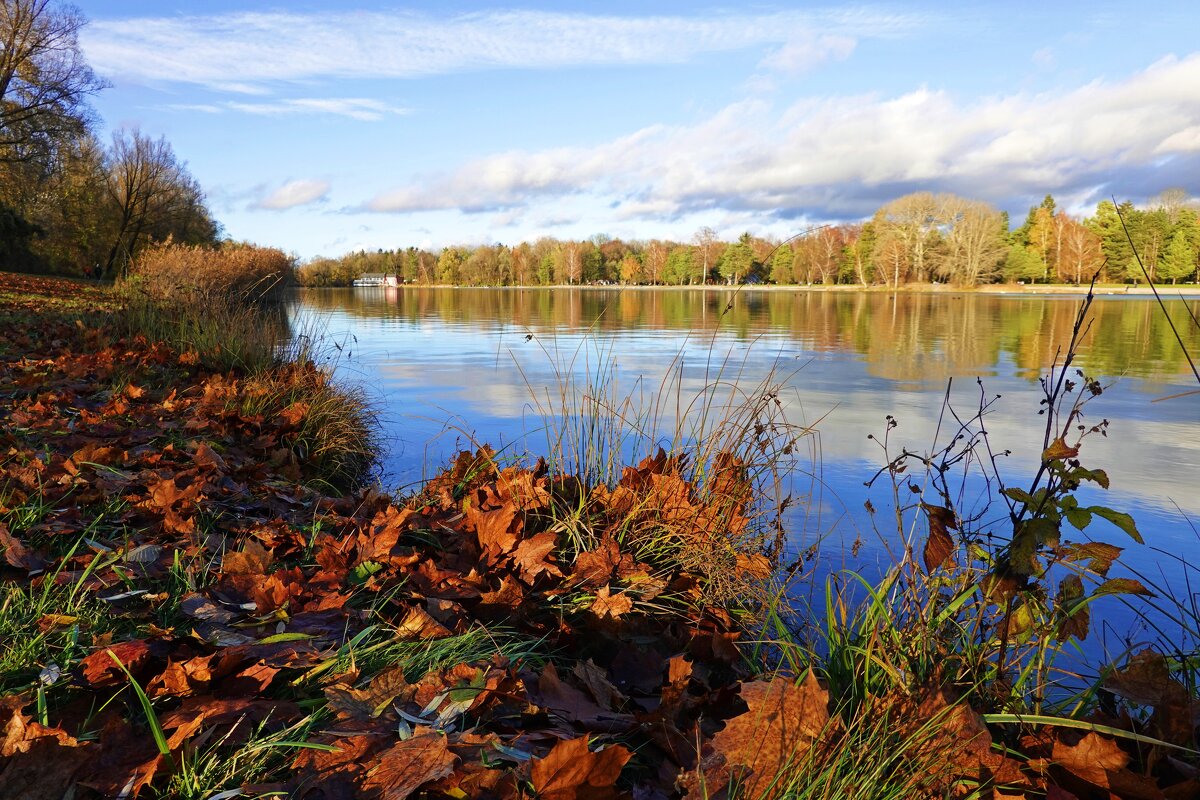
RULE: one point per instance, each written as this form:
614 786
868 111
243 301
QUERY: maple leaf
783 721
611 605
1093 758
570 771
408 765
496 528
417 624
531 556
99 669
253 559
39 763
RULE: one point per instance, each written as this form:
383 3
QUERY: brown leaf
408 765
99 669
417 624
181 679
531 556
293 414
253 559
598 685
939 546
570 771
205 456
1093 758
784 720
496 528
1059 449
611 605
16 554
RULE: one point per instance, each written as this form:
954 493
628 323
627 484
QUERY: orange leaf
1059 449
571 771
784 720
409 765
611 605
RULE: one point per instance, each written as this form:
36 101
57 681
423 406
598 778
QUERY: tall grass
242 272
221 309
706 429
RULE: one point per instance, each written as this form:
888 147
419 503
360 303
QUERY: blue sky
321 127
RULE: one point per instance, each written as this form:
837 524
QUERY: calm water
449 366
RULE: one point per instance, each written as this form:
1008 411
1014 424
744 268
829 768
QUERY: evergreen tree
1179 261
737 262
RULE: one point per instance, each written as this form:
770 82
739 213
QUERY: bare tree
708 250
974 235
1081 253
912 221
154 198
1171 201
44 79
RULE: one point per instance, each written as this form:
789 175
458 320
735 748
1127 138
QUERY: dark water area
454 367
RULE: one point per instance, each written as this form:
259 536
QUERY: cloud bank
844 156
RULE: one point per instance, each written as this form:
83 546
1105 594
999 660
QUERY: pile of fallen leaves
243 610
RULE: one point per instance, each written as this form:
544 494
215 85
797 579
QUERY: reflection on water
921 336
473 356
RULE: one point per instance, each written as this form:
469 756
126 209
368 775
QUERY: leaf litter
243 600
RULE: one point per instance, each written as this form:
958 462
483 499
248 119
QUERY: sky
325 127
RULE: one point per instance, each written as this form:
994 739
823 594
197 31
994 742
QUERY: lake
453 367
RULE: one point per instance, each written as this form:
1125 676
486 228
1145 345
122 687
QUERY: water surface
452 367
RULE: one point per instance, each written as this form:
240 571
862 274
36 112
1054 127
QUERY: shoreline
1172 292
162 529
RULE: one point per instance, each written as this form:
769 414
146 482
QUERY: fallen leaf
408 765
611 605
570 771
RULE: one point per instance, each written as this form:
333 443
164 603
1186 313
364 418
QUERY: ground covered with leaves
187 610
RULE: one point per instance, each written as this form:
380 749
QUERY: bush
242 273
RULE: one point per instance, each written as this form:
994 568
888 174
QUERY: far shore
1114 289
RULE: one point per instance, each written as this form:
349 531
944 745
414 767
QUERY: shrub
242 273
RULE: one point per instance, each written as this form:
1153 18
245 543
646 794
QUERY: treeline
919 238
68 202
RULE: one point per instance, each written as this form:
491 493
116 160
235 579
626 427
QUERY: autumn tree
449 265
44 80
154 197
974 234
630 269
910 223
708 249
654 261
1079 254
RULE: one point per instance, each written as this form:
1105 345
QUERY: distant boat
377 279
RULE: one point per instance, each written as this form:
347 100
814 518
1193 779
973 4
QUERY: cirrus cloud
237 52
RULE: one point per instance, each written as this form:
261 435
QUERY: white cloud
234 51
805 52
295 193
845 155
360 108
